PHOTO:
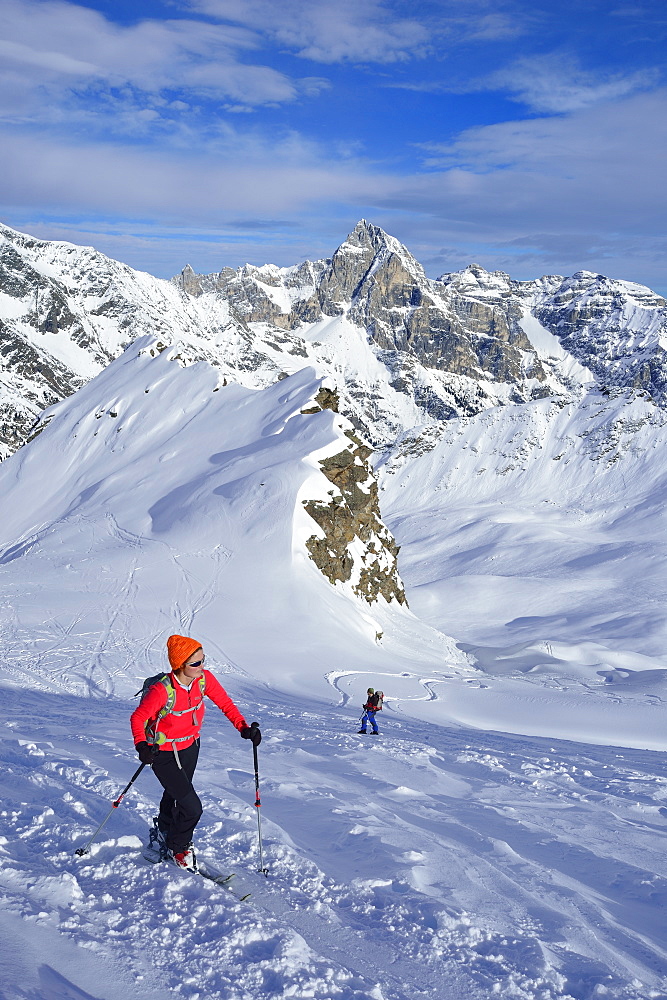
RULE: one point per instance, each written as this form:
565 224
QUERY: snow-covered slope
437 860
432 863
537 537
172 497
189 500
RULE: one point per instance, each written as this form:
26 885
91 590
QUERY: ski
151 855
154 857
224 881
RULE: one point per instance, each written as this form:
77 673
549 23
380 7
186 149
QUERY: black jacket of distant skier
373 703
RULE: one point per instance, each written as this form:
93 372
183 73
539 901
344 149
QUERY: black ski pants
180 806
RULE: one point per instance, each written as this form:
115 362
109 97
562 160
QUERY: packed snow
503 836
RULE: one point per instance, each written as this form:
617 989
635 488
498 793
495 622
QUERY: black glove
252 733
146 752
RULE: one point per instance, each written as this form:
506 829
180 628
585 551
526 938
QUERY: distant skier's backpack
149 682
380 697
152 734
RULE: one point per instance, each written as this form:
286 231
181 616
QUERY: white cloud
62 47
16 52
329 32
247 174
597 170
557 83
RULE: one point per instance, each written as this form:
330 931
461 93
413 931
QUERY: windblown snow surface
502 837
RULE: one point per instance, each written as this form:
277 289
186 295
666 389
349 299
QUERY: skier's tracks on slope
335 677
196 585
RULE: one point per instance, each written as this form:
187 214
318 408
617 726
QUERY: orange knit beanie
179 649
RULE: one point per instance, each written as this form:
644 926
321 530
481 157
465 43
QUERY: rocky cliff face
618 330
382 290
357 547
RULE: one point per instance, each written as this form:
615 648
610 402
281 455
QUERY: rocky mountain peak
189 281
368 269
588 285
370 244
477 281
369 237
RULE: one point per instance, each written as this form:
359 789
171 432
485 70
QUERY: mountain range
405 352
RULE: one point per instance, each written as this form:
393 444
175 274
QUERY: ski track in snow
446 864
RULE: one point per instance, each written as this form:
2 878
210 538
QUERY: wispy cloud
494 26
558 83
620 146
69 52
369 31
325 32
598 171
553 83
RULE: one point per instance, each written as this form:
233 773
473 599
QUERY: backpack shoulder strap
152 729
165 680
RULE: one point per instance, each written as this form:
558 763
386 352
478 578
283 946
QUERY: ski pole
84 850
262 869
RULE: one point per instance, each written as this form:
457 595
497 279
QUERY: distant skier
165 727
373 704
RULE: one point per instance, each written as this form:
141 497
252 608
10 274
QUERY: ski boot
185 859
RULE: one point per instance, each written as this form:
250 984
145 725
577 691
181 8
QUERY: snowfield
502 837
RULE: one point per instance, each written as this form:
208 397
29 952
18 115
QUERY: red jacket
184 728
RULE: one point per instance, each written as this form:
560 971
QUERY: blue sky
525 137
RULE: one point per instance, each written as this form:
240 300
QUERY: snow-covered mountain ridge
405 351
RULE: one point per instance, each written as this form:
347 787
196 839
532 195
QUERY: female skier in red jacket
165 727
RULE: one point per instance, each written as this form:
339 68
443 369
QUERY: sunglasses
197 663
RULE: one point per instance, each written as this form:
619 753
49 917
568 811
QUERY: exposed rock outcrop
596 320
357 547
